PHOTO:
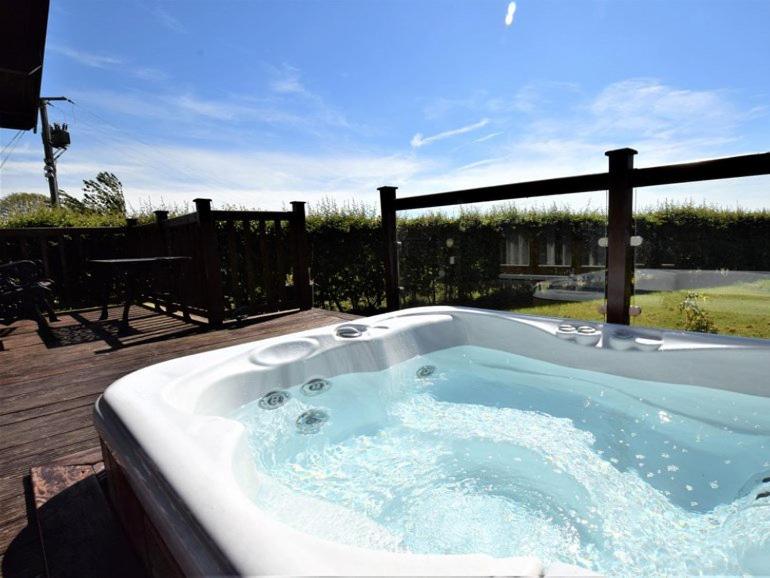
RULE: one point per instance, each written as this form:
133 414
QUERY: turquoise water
472 450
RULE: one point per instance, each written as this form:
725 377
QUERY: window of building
555 249
516 249
593 254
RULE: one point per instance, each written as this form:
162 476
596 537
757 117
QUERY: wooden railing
242 263
619 181
264 260
63 253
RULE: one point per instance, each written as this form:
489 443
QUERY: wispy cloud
185 110
630 112
287 81
442 107
532 96
212 118
666 123
487 137
86 58
148 73
207 108
646 108
108 62
510 13
418 140
255 178
474 165
168 20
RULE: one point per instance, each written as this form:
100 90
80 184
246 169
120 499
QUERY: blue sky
259 103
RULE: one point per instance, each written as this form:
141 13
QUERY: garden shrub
695 316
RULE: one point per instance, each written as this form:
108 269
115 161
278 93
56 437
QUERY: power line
14 138
10 147
151 150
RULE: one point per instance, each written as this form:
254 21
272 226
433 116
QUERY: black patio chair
24 294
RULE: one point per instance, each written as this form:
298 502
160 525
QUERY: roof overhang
23 25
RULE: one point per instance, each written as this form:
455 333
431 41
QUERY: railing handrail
713 169
539 188
708 170
252 215
188 219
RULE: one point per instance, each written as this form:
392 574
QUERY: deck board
47 393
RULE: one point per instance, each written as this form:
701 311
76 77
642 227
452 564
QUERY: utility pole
50 159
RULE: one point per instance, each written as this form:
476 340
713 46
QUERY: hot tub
453 441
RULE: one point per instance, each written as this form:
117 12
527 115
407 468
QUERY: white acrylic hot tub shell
188 465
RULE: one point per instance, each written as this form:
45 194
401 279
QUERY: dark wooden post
132 244
387 200
160 219
301 256
620 254
210 256
161 249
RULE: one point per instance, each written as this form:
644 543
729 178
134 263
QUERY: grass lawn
741 309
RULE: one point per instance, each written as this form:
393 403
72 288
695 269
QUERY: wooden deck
47 392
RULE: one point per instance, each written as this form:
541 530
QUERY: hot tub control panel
616 338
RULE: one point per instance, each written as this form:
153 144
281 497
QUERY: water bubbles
622 556
426 371
506 466
274 399
315 387
311 421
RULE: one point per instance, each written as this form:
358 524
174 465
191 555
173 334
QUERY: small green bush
695 316
21 203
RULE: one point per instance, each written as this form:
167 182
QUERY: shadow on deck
48 388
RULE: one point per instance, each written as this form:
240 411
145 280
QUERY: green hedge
346 261
62 217
347 249
697 237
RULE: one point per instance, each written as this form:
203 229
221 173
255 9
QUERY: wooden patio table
139 274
